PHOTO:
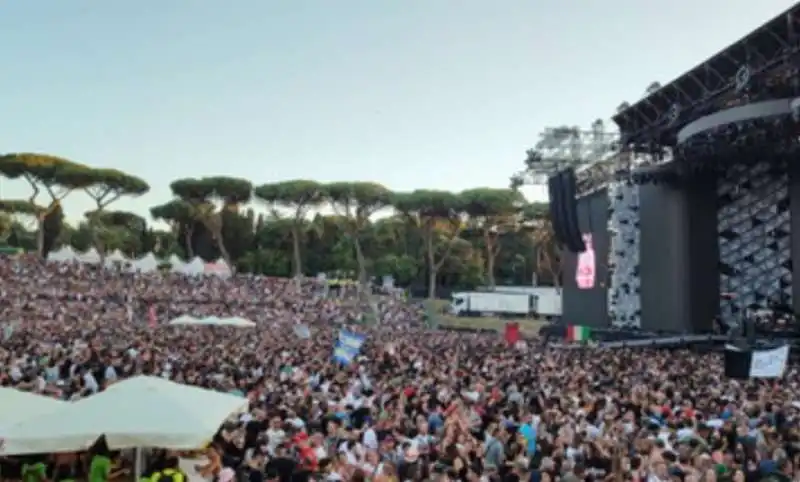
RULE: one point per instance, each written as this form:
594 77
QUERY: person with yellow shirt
171 472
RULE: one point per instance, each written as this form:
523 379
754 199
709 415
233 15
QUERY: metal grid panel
753 225
624 302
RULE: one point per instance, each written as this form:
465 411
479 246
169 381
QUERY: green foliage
297 195
52 225
105 186
19 206
427 240
174 211
6 223
490 202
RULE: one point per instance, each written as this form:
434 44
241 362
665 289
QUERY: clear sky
442 94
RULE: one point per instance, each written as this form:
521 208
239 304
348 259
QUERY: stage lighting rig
710 153
593 153
763 65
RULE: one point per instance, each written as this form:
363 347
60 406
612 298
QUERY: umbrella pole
137 464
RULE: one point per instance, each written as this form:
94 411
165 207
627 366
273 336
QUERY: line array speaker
564 210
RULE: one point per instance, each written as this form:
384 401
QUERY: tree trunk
298 261
432 283
362 263
188 242
40 236
223 251
490 255
100 247
432 268
490 270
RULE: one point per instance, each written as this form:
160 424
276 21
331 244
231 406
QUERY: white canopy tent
193 267
115 257
217 268
237 321
65 254
185 320
16 406
138 412
175 262
90 257
213 321
146 264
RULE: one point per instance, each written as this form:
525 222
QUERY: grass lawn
485 323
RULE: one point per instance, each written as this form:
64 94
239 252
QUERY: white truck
480 303
538 301
548 298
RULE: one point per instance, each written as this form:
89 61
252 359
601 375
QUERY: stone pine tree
492 212
120 229
427 209
356 203
204 194
536 224
535 218
52 176
179 216
296 197
105 186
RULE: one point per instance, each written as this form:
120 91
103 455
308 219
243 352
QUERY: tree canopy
431 241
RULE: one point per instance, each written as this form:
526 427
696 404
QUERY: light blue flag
347 347
351 340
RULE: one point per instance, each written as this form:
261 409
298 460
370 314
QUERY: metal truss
563 147
726 79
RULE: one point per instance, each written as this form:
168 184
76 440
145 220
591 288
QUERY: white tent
17 406
213 321
146 263
217 268
138 412
176 263
116 257
194 267
91 256
64 255
236 321
185 320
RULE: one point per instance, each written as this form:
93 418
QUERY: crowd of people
415 404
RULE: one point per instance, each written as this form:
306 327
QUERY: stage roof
714 84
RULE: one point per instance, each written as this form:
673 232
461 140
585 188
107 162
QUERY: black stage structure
694 223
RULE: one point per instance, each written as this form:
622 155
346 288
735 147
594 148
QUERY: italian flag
578 333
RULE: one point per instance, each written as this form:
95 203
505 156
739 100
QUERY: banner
744 363
585 271
769 363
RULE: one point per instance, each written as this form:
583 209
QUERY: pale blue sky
441 94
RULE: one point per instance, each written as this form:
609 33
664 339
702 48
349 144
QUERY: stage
697 222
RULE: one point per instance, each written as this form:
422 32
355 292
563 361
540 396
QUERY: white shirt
91 382
275 437
370 439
